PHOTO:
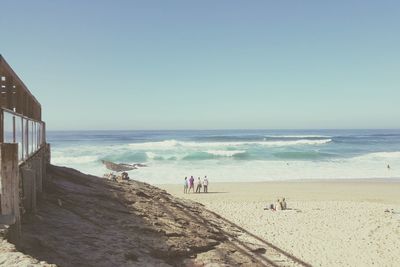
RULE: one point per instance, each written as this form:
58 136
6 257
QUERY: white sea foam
151 155
259 170
225 153
170 144
372 165
298 136
381 155
296 142
73 159
155 145
291 156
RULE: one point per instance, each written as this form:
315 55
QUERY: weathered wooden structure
24 153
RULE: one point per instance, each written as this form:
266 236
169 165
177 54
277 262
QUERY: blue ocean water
233 155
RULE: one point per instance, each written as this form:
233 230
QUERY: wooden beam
9 180
1 126
26 139
8 71
8 176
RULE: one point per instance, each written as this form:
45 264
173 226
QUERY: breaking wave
224 153
168 144
234 155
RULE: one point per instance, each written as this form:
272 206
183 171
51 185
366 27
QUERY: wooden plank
28 176
38 169
8 176
1 126
26 139
14 129
9 180
6 70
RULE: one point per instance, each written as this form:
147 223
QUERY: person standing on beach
185 186
205 184
278 204
198 188
283 204
191 183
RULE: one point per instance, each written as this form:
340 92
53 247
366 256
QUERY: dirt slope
84 220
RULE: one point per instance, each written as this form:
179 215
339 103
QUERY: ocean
233 155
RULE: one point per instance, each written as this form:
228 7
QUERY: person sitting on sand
283 204
198 188
191 183
278 204
270 207
124 176
205 184
185 186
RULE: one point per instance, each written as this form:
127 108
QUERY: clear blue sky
207 64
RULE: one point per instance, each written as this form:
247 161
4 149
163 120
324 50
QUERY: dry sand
330 223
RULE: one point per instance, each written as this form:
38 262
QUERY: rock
259 250
118 167
172 234
139 165
141 194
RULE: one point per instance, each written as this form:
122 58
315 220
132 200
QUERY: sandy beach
329 223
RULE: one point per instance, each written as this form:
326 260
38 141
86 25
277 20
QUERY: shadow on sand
84 220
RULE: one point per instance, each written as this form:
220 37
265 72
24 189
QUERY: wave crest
225 153
170 144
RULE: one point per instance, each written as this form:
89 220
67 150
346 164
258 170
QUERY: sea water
233 155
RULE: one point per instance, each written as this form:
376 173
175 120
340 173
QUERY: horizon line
225 129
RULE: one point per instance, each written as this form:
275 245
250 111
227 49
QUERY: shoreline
311 180
369 190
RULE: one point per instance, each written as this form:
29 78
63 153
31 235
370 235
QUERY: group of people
280 204
122 177
189 185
